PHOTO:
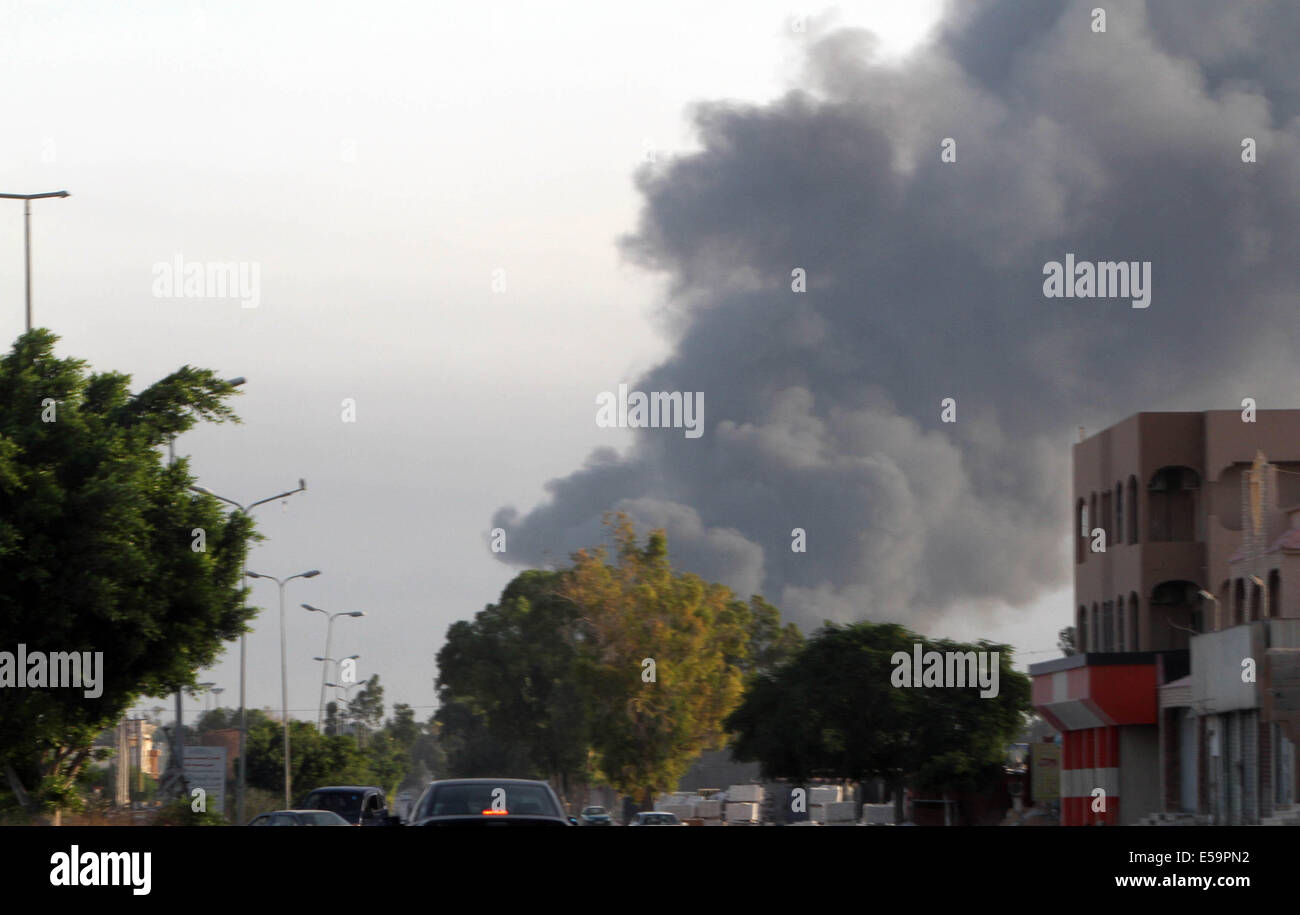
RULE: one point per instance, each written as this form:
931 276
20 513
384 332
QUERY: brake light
495 813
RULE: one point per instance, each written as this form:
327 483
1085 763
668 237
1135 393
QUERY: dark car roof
487 781
347 788
444 782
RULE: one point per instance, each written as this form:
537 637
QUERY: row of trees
554 681
834 712
616 671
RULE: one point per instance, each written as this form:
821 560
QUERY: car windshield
346 804
659 819
324 818
593 811
462 799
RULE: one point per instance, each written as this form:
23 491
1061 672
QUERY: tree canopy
616 671
834 712
100 551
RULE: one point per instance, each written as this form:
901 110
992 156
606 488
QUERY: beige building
1184 695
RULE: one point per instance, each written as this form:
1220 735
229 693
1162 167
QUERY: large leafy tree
695 636
833 712
315 759
98 552
509 685
551 681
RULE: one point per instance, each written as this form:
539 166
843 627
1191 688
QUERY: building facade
1182 696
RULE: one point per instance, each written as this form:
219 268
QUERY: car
360 805
655 818
489 802
299 818
595 816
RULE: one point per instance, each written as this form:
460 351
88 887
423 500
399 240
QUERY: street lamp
1208 596
1263 590
324 670
243 637
284 669
27 237
206 688
347 700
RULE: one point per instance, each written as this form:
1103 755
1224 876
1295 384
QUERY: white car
655 818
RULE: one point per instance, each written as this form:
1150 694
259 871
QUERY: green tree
366 710
664 657
403 727
97 552
509 686
332 718
314 758
833 712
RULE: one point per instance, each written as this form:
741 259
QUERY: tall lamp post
324 668
347 700
27 237
243 665
351 657
206 690
284 670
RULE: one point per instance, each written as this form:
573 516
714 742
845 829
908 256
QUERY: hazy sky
378 162
643 178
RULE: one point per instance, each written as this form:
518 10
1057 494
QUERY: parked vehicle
360 805
655 818
299 818
595 816
489 802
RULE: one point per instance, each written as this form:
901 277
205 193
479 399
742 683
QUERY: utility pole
27 237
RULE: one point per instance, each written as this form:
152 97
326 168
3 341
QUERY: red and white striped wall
1090 760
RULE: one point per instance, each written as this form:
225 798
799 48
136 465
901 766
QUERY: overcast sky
644 178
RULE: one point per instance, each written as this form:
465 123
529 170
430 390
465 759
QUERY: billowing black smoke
925 281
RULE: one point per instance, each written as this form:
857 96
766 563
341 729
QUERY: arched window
1120 632
1238 602
1132 509
1107 518
1274 594
1119 512
1172 611
1172 504
1256 600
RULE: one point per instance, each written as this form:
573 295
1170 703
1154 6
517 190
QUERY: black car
299 818
489 802
361 805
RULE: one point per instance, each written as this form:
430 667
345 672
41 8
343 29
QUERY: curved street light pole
324 668
27 237
243 637
284 672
